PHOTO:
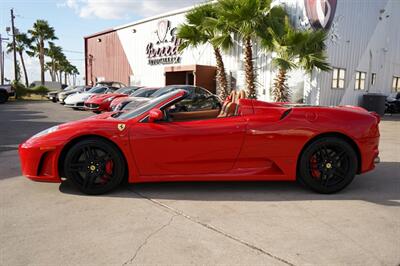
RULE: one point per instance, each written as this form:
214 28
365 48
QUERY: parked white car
61 96
77 100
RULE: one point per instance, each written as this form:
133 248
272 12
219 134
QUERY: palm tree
22 44
197 32
244 17
56 55
294 49
41 32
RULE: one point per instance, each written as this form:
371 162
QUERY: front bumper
39 163
92 106
78 105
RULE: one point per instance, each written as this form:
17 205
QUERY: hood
105 96
69 92
78 97
119 100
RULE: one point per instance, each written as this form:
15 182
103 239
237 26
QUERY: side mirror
155 115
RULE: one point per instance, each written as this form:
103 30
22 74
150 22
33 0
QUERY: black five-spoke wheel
328 165
94 165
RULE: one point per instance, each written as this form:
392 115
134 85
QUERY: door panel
191 147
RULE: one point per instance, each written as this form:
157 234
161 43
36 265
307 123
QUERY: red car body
117 101
263 142
101 103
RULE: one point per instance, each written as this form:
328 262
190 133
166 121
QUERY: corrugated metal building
363 49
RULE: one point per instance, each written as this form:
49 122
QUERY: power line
72 51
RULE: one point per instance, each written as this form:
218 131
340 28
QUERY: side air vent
285 113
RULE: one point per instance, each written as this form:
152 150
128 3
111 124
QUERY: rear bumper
39 163
369 151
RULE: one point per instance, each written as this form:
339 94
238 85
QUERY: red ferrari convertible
323 147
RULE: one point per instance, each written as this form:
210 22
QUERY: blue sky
73 19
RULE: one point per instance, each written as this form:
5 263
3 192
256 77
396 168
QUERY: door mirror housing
155 115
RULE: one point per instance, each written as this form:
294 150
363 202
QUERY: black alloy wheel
94 166
328 165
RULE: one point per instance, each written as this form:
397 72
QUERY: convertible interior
230 107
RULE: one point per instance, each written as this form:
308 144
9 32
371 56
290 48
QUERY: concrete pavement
254 223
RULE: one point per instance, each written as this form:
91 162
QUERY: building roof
163 15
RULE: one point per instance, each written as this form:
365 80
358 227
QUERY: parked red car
142 93
101 103
323 147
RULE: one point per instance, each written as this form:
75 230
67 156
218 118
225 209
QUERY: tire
97 112
327 165
3 97
95 166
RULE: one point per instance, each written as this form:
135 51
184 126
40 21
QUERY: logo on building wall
165 50
320 13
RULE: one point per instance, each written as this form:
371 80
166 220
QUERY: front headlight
109 99
45 132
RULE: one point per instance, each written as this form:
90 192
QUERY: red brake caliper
314 168
108 173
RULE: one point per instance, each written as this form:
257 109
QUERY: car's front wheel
328 165
95 166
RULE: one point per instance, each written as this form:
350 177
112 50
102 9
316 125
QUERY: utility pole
13 38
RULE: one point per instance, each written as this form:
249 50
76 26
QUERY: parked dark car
392 104
197 99
6 91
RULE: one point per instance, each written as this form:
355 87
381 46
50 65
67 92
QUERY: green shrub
40 90
20 89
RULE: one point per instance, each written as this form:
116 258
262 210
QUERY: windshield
143 92
145 106
69 88
164 91
97 90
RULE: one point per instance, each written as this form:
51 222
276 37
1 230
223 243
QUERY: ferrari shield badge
121 127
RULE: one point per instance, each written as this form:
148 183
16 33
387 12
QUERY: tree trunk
281 90
249 69
41 59
53 71
24 68
60 78
222 82
65 77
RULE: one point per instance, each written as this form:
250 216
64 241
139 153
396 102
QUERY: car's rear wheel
328 165
94 166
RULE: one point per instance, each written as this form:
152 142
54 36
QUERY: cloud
123 9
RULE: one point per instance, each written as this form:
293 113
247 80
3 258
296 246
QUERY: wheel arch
337 135
73 141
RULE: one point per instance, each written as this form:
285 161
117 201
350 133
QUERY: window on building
373 78
396 84
338 78
360 80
